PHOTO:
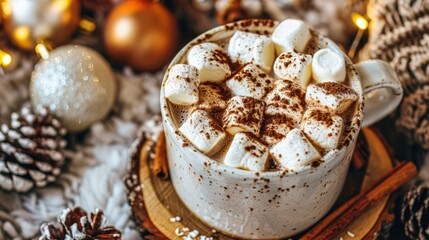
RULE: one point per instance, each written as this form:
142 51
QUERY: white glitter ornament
77 85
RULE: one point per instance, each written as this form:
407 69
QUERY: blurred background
133 41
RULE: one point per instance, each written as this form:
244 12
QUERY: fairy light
43 48
362 24
359 21
5 59
87 25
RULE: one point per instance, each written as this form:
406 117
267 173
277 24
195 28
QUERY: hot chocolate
264 152
263 102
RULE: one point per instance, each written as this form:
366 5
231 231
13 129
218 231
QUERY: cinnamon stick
160 164
341 218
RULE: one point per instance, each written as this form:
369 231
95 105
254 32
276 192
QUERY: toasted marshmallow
203 132
322 128
295 151
333 96
211 62
328 65
294 66
250 81
247 152
245 47
291 35
212 97
243 114
181 86
287 98
275 127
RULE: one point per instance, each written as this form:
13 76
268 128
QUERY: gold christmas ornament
142 34
26 21
76 83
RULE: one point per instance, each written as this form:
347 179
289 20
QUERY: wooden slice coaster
155 203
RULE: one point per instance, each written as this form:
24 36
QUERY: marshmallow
211 62
333 96
264 53
247 152
212 97
291 35
243 114
322 128
328 65
203 132
250 81
286 97
240 47
295 151
275 127
181 86
245 47
294 66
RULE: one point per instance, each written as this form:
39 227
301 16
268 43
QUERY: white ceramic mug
265 205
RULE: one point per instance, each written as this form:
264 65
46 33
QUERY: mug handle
377 74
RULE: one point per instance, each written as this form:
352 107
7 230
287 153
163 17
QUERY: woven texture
414 116
399 34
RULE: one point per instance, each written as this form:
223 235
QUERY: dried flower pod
76 224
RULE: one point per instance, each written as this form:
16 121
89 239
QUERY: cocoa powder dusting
271 124
322 116
220 57
249 111
316 163
335 88
249 148
216 114
215 125
279 119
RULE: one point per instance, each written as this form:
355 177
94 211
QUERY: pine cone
74 224
415 213
414 116
31 150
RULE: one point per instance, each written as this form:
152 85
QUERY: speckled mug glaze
257 205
